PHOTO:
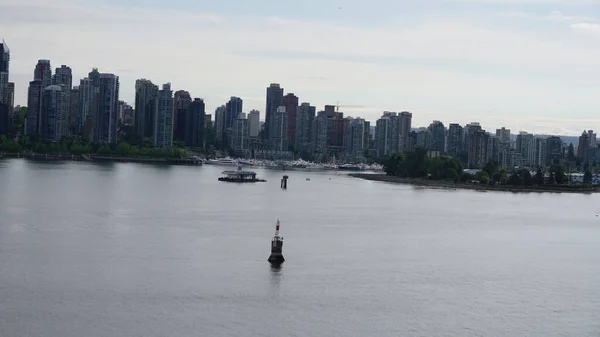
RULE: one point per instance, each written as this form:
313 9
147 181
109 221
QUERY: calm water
140 250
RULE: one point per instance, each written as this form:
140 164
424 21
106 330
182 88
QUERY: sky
529 65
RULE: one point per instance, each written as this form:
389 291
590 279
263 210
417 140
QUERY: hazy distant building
163 130
274 101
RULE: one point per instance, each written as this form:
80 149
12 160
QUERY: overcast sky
525 64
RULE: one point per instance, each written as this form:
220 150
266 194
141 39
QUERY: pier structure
284 182
276 257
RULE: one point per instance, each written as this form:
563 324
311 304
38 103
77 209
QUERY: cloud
587 28
452 68
556 16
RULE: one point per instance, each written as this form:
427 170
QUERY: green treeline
77 145
417 164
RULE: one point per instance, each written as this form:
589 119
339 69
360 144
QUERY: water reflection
276 274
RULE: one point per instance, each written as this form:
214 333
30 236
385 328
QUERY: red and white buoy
276 257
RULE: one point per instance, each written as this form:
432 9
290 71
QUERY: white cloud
588 28
556 16
451 69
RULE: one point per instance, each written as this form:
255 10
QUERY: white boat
223 162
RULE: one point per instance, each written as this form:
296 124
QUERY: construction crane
337 106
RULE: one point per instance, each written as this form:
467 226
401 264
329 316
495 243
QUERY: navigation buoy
276 257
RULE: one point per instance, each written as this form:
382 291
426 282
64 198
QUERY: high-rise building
592 138
4 119
424 138
305 117
163 130
220 113
477 153
75 105
437 131
319 133
7 89
357 137
290 101
233 108
54 111
541 150
181 102
4 57
63 77
240 138
392 133
87 92
583 146
278 132
525 145
503 135
4 69
34 107
454 140
254 124
405 126
105 109
207 120
43 72
195 124
274 101
146 95
554 150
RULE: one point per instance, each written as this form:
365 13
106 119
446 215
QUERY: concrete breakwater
479 187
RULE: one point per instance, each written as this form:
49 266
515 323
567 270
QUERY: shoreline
436 184
99 159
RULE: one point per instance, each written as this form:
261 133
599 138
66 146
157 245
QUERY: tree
526 177
539 177
559 174
514 179
491 167
483 177
391 165
587 177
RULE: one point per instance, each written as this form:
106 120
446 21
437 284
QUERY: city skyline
491 67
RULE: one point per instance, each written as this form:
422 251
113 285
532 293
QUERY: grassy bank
478 187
